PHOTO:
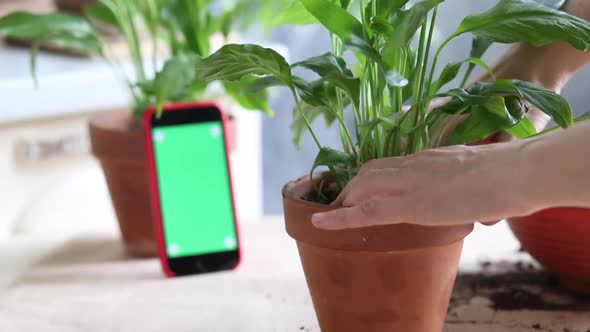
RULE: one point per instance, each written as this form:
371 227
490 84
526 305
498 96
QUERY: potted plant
392 278
181 31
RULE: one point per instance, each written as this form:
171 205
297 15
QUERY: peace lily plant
393 277
396 65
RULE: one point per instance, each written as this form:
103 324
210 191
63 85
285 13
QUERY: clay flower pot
376 279
560 240
118 142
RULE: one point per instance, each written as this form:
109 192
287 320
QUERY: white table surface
87 284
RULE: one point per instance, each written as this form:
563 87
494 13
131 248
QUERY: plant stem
466 77
307 123
125 19
437 56
343 130
418 85
424 111
577 120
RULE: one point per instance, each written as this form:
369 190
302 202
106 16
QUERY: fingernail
320 220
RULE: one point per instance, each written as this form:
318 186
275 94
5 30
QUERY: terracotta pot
560 240
119 145
118 142
376 279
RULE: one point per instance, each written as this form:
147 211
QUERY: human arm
551 66
460 185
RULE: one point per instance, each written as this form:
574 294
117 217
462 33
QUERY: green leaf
336 19
523 129
333 159
548 102
388 122
318 93
333 69
319 98
513 21
263 83
408 23
65 31
486 119
355 43
555 4
311 113
385 8
345 3
174 81
102 13
451 71
545 100
296 14
23 25
226 21
381 26
479 46
240 91
395 79
232 62
149 12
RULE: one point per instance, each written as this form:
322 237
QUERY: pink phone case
153 178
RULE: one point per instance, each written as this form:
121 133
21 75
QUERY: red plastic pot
559 239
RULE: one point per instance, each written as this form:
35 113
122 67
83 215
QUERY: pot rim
385 238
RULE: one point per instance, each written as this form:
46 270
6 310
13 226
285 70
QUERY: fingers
368 213
369 167
375 183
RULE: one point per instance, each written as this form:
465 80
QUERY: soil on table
522 286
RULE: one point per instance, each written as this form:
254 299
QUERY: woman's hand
448 186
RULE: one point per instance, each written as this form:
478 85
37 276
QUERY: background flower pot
378 279
73 6
560 240
118 142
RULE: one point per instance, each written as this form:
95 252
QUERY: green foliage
232 62
67 31
181 28
390 70
514 21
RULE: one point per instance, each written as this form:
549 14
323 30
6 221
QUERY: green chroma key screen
195 193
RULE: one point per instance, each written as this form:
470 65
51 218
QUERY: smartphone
191 189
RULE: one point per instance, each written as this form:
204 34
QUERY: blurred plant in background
180 33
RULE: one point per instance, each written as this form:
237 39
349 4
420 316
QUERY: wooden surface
90 285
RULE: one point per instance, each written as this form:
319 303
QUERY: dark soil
521 287
322 196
